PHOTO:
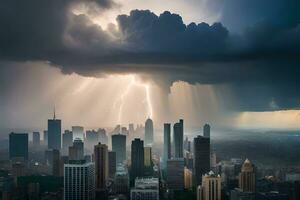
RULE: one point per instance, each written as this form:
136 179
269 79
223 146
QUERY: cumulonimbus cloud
155 46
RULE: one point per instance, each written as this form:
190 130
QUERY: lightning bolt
121 100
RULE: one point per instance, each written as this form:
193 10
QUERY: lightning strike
122 98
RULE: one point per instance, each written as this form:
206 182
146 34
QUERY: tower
178 139
54 133
101 165
149 132
247 177
18 145
167 143
119 146
201 158
206 130
137 159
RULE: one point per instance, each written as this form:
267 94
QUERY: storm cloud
260 64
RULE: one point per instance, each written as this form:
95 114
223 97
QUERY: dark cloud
262 62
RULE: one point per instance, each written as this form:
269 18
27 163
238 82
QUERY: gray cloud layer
261 65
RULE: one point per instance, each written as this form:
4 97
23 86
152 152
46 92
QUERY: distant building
101 165
46 137
78 132
188 178
18 146
79 181
201 158
145 189
119 146
210 189
238 194
76 151
54 133
167 144
67 139
112 164
149 132
137 159
36 139
178 139
147 157
91 139
247 179
206 130
102 136
131 128
175 174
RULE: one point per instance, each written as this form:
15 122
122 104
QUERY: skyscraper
201 158
206 130
210 189
79 181
175 174
18 145
36 139
101 165
178 139
119 146
137 159
112 164
76 151
167 143
247 177
55 162
54 133
149 132
78 132
67 140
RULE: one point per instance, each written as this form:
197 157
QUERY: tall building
119 146
101 165
131 128
36 139
137 159
178 139
91 139
149 132
206 130
175 174
78 132
18 145
112 164
201 158
147 157
102 136
210 189
54 133
67 139
79 181
145 189
247 177
167 143
45 137
76 151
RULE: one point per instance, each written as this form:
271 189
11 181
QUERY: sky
102 62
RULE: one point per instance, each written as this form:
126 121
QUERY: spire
54 117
